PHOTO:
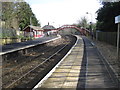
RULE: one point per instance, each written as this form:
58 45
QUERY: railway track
21 64
36 69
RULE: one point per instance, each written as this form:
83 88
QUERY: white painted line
25 47
50 73
86 69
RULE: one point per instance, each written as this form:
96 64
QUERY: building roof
33 27
49 27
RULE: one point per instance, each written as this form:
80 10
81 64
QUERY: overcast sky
60 12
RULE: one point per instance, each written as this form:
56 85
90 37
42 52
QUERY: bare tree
83 22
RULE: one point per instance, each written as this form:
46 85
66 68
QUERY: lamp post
90 15
91 32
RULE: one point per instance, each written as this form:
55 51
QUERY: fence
108 37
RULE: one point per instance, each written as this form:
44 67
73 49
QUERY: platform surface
26 44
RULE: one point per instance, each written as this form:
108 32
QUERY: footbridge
81 30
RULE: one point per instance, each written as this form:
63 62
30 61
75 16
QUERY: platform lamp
90 24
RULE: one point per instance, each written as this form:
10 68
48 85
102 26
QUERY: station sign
117 19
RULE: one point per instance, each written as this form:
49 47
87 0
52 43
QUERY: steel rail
12 69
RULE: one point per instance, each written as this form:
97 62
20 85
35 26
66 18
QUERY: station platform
66 75
22 45
81 68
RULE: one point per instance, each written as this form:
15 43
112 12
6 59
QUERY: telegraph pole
30 26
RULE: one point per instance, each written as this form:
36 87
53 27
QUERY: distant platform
23 45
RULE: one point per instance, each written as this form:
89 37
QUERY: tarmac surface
82 68
98 74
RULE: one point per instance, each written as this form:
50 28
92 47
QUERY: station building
49 30
33 31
